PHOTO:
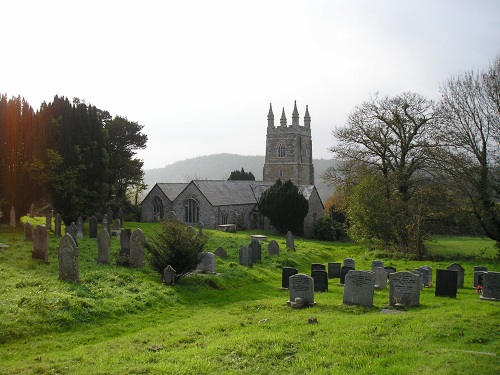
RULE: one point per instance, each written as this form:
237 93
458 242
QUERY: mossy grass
124 320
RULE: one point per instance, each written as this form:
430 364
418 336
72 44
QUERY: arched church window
281 150
157 208
191 211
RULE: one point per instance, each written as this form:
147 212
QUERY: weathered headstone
273 248
343 272
446 283
93 227
115 230
388 270
67 253
105 223
221 252
124 253
427 275
79 227
491 286
103 242
246 256
380 278
199 225
349 262
478 270
169 275
377 263
358 288
461 273
207 263
41 243
57 225
48 220
285 276
421 276
290 241
110 216
256 251
334 270
13 220
320 278
301 288
28 231
317 266
71 230
137 240
404 289
120 216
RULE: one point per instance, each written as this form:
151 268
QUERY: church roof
172 189
226 192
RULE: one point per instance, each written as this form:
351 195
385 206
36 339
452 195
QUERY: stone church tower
289 149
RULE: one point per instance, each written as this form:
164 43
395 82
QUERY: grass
124 321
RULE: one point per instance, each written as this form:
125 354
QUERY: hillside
220 166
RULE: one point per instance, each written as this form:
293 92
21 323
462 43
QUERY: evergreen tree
241 175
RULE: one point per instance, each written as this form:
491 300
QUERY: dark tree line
68 156
241 175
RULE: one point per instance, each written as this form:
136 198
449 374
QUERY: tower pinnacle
295 115
270 116
307 118
283 118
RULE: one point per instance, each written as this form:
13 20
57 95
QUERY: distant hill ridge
220 166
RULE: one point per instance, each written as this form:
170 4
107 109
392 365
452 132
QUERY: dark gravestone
256 248
285 276
343 272
320 278
41 243
377 263
478 270
110 216
358 289
67 253
93 227
124 246
334 270
273 248
491 286
317 267
103 242
246 256
13 220
446 283
57 225
221 252
48 220
461 273
388 270
349 262
71 230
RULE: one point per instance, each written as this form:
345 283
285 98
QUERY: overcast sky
199 75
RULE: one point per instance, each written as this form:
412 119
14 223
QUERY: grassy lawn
125 321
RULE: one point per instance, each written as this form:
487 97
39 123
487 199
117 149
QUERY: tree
469 158
241 175
390 138
285 206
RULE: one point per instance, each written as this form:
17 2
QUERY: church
219 202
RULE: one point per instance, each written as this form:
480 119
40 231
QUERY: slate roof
226 192
172 189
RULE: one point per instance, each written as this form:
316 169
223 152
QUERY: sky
199 75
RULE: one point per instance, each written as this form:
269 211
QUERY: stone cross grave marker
103 242
446 283
221 252
301 288
491 286
320 278
380 278
67 253
57 225
461 273
334 270
41 243
246 256
137 240
169 275
93 227
290 241
79 227
358 288
207 263
256 251
285 276
273 248
404 289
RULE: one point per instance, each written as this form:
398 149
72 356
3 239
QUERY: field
125 321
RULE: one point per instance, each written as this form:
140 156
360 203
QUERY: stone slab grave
57 225
421 276
67 254
229 228
290 241
28 231
349 262
446 283
286 272
207 263
427 275
116 229
256 248
246 256
343 272
301 288
478 270
103 242
334 270
48 220
105 223
71 230
93 227
358 288
258 237
461 273
137 240
169 275
320 278
491 286
379 278
41 243
273 248
404 289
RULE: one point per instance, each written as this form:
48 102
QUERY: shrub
328 229
174 245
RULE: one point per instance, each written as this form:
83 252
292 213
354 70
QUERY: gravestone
57 225
207 263
67 253
221 252
358 288
349 262
137 240
103 242
290 241
421 275
12 217
446 283
200 229
119 216
343 272
461 273
256 251
110 216
301 288
388 270
48 220
79 227
285 276
404 289
41 244
318 267
105 223
491 286
377 263
246 256
334 270
169 275
71 230
478 270
124 246
380 278
28 231
427 275
320 278
115 230
273 248
93 227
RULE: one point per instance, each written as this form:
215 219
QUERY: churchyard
242 318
